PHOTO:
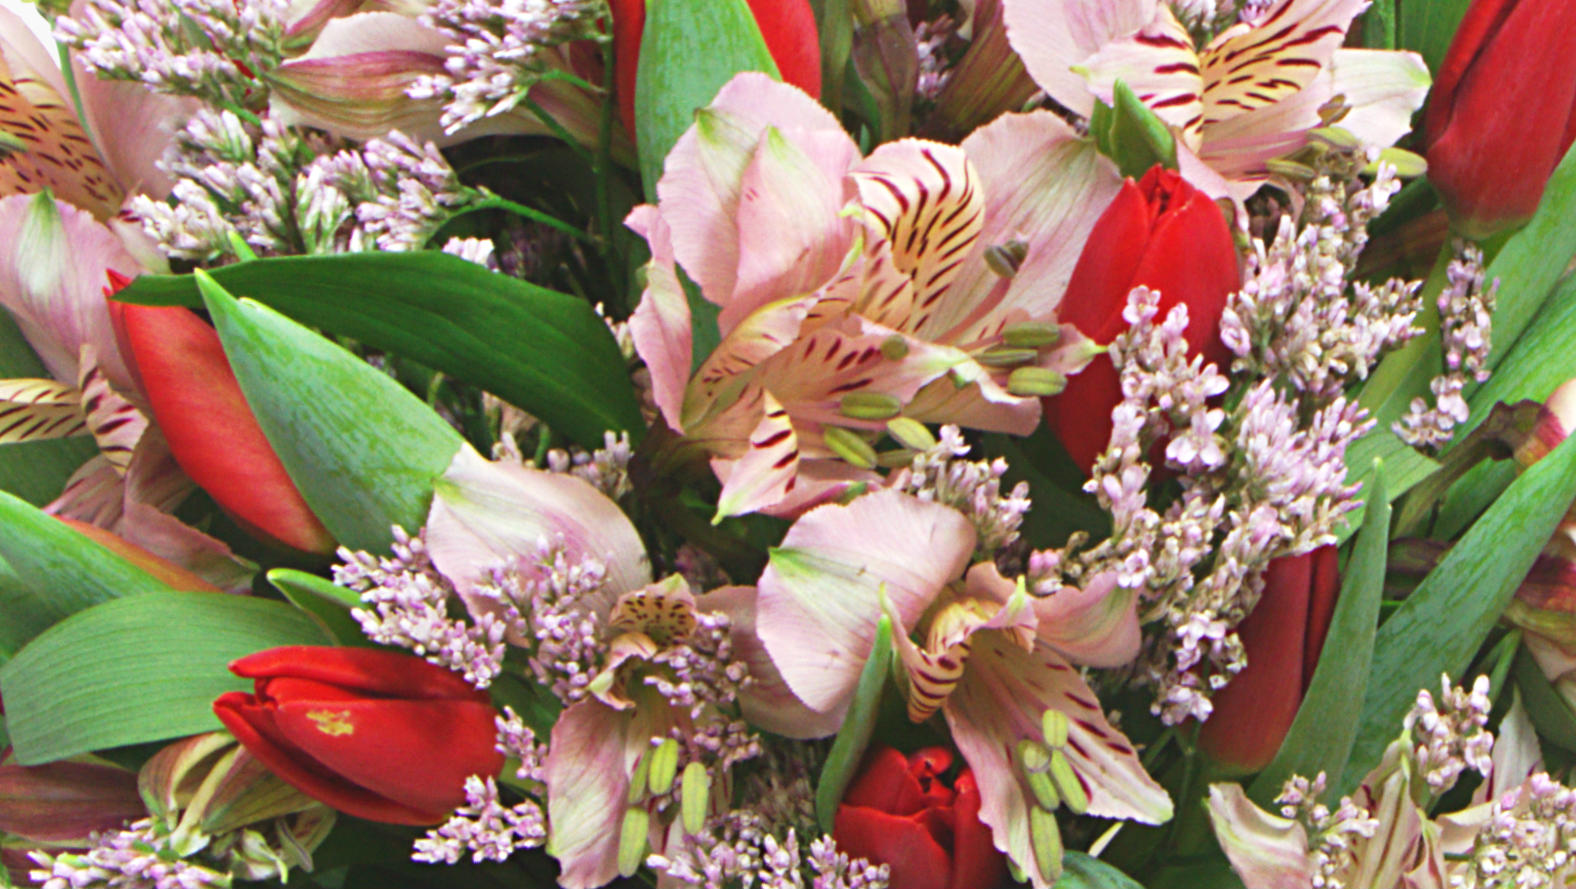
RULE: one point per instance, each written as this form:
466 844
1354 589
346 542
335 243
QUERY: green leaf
542 351
852 739
363 451
1131 134
1320 738
1083 871
26 613
1379 25
1533 260
1428 27
834 22
1443 622
1550 713
674 80
327 603
64 569
139 669
35 471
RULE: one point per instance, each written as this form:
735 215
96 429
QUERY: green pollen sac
1031 382
1290 169
1054 724
1045 837
694 795
910 433
1033 756
1044 790
869 406
10 144
1407 165
850 446
664 766
894 348
632 840
999 356
1068 786
637 781
1030 335
1334 111
1005 259
894 459
1335 137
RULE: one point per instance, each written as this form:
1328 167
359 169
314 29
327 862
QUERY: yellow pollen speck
332 722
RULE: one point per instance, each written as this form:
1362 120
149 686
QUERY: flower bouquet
943 444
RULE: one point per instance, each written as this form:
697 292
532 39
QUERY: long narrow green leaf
65 571
327 603
138 669
1428 26
1380 457
852 739
1443 622
1320 738
675 80
542 351
1549 711
35 471
363 451
1533 260
1083 871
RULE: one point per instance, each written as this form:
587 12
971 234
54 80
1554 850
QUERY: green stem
558 130
604 151
70 75
1405 373
494 202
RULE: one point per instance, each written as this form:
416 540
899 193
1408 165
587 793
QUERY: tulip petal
917 860
820 596
1265 850
975 859
660 325
1001 700
372 672
485 513
1052 36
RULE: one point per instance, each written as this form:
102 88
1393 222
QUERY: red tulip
899 812
376 734
210 429
1162 233
1283 637
787 25
1503 111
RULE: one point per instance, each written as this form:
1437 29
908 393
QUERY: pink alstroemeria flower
1250 95
851 291
993 658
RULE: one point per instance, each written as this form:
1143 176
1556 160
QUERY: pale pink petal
1158 63
592 751
1001 700
820 480
25 56
767 701
53 263
180 544
721 382
485 513
984 405
1044 186
1203 177
1053 36
820 596
792 237
1096 626
703 180
660 325
153 477
765 474
1266 851
1516 752
1255 64
1238 146
133 127
95 494
1382 88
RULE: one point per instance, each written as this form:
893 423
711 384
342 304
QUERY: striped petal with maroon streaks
932 675
924 199
766 472
57 155
1253 65
1159 64
35 410
116 423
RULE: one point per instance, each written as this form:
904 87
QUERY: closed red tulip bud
210 428
787 25
380 735
1283 637
1161 233
900 813
1503 111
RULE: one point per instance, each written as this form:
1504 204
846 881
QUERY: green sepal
848 748
1131 134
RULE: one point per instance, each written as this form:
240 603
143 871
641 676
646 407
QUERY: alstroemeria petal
925 201
1052 36
820 596
1001 700
766 472
1381 89
1255 64
701 186
1096 625
485 513
660 325
766 700
53 264
116 423
1265 850
34 410
1159 64
590 756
